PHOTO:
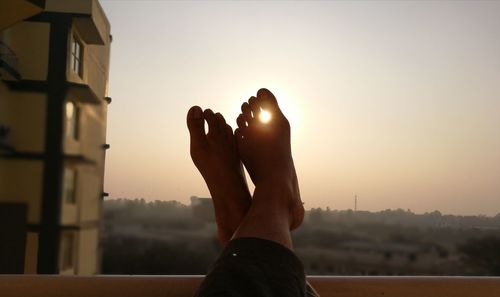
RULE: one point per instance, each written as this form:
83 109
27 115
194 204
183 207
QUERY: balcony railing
8 63
180 286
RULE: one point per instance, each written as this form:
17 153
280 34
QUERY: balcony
15 11
8 63
90 20
179 286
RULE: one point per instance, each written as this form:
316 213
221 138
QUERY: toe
229 132
238 134
196 125
211 121
267 100
254 106
221 122
240 120
247 112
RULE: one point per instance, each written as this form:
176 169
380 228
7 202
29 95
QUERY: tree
483 253
316 215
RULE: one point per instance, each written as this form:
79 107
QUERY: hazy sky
397 102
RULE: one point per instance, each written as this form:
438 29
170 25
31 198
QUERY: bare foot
216 156
265 149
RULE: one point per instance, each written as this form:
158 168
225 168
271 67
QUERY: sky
396 102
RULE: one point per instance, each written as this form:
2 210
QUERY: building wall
31 253
92 8
87 204
21 181
92 136
91 185
30 43
12 12
25 113
88 252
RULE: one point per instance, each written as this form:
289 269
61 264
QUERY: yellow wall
87 207
95 66
92 132
31 254
25 114
21 181
30 43
13 11
88 252
99 23
70 212
91 186
73 6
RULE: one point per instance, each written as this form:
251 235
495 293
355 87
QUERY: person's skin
265 151
216 156
210 152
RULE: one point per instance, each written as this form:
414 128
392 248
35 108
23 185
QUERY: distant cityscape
168 237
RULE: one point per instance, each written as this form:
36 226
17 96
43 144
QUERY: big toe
268 101
196 125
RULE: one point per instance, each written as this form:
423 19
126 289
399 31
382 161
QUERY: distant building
54 65
203 209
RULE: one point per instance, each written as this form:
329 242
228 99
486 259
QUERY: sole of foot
216 157
265 147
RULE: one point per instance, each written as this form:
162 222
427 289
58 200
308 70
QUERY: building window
69 186
77 56
72 120
67 251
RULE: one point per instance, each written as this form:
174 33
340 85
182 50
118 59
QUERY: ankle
273 195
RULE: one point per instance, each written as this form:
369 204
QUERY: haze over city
396 102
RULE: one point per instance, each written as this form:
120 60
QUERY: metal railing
7 55
180 286
4 139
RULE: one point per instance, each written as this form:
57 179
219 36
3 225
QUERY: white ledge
180 286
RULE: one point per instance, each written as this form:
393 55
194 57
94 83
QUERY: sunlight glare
265 116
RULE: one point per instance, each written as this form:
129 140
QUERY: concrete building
54 65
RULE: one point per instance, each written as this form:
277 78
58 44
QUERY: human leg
216 157
259 260
265 151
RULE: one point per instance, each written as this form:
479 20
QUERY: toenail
197 114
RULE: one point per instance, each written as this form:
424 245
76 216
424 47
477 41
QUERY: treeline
171 210
406 218
168 237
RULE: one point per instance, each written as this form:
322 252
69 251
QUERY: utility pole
355 203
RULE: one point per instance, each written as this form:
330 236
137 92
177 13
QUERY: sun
265 116
288 103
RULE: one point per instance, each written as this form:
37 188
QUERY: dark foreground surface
180 286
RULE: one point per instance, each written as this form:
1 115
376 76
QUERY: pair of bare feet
264 149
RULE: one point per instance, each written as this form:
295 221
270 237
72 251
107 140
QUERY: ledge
83 92
80 91
179 286
13 11
13 154
89 18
